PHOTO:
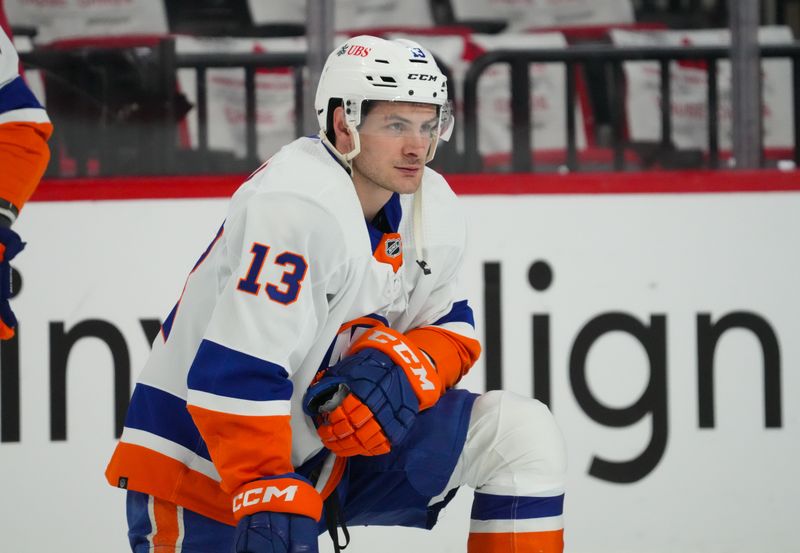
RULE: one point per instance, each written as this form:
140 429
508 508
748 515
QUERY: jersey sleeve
281 251
24 131
450 342
445 329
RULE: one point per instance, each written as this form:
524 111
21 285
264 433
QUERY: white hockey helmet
371 68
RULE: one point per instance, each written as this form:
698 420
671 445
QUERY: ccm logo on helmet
263 495
407 355
421 77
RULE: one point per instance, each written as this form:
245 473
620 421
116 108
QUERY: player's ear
344 142
339 122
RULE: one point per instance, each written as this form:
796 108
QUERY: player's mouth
409 170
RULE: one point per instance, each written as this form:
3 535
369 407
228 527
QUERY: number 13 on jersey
287 290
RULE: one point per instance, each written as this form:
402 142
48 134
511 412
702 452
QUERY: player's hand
10 246
363 405
268 532
276 514
415 364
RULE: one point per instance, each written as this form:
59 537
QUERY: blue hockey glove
268 532
363 405
277 514
10 246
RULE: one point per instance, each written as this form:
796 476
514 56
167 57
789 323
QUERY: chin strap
419 236
346 160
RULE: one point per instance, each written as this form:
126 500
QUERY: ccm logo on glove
254 496
413 362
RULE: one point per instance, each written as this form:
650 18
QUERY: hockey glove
275 533
277 515
416 365
363 405
10 246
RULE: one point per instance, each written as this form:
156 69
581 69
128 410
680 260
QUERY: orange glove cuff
279 495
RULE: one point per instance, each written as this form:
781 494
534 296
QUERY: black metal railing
155 149
573 57
250 62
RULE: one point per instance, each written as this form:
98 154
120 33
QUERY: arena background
654 311
685 252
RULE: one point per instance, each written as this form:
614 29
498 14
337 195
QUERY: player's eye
396 128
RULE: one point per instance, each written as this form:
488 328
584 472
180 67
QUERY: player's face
395 139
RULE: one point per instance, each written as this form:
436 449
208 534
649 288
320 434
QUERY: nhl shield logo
390 250
393 247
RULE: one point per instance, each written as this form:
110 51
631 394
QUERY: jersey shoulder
437 185
442 212
309 189
9 60
305 168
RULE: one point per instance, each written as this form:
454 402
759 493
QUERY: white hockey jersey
219 402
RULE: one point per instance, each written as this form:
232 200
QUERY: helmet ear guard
446 121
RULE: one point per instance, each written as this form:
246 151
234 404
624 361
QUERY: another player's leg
514 458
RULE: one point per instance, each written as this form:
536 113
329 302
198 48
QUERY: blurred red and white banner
63 19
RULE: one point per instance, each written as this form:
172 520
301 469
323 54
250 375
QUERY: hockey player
306 376
24 130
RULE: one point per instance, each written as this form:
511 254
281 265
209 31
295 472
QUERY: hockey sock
512 524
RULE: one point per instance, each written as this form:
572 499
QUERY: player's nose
416 145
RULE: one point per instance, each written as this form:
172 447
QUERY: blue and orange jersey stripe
24 131
239 403
174 461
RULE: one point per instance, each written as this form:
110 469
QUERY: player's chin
407 187
407 182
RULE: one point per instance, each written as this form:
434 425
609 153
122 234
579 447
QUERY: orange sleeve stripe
339 464
166 530
280 495
150 472
452 353
525 542
245 448
24 155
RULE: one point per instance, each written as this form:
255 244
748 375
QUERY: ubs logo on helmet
421 77
418 52
358 50
354 50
